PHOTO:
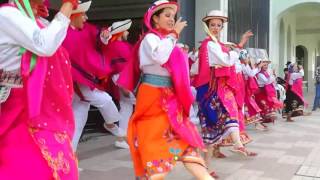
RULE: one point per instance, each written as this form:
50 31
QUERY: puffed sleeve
156 49
26 33
218 57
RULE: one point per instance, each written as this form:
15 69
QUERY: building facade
288 29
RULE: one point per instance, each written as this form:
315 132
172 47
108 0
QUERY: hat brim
84 7
121 28
223 18
172 5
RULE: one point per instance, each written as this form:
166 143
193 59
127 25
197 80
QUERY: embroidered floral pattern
160 166
61 137
166 165
214 120
57 160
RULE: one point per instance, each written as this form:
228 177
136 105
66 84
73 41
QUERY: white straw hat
82 7
120 26
215 14
161 4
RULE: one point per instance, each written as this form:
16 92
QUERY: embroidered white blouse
262 80
248 71
154 52
220 58
296 75
17 30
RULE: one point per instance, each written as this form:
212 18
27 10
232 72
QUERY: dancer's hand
125 92
179 25
105 35
73 2
245 37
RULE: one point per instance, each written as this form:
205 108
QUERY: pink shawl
84 50
118 53
47 91
44 104
51 76
203 76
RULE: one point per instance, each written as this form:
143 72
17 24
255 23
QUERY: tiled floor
288 151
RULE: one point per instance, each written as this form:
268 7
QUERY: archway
302 58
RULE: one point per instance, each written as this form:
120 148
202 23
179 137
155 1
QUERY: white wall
289 21
283 9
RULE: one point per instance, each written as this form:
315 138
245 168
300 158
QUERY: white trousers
126 110
194 109
100 99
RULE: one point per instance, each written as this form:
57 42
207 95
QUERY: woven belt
10 79
156 80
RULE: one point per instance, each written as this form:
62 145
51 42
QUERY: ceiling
307 18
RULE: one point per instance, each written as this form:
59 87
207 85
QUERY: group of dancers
51 72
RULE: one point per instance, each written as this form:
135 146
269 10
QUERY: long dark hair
157 13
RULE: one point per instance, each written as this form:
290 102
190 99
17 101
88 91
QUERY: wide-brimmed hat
120 26
215 14
82 7
161 4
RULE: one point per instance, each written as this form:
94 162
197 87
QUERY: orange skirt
154 146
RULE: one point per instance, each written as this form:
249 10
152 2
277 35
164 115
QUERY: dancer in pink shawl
118 51
36 120
160 132
266 97
90 72
295 102
242 68
216 86
252 110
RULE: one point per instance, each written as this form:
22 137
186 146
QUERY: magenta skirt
32 153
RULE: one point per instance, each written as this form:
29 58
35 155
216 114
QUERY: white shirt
194 68
17 30
193 55
154 52
238 65
218 57
248 71
295 76
262 80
